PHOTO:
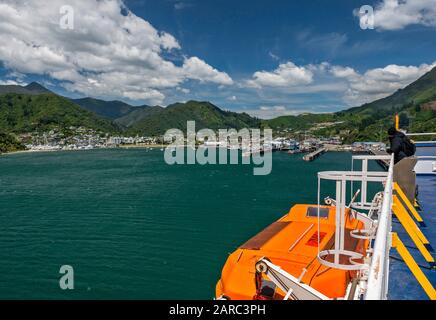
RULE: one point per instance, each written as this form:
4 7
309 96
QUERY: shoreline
27 151
124 147
152 146
135 146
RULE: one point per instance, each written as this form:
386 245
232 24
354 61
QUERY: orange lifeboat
292 244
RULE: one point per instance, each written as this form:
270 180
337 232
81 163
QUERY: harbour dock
315 154
383 163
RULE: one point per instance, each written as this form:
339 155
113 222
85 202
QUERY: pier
383 163
315 154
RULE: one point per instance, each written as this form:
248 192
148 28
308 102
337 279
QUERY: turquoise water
133 227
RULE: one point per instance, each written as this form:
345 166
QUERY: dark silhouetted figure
401 146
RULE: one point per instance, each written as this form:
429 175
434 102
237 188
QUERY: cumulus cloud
379 82
111 52
354 87
197 69
286 75
398 14
10 83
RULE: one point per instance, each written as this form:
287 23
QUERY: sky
266 58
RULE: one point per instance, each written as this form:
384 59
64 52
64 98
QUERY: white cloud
195 68
184 90
275 108
352 87
344 72
398 14
111 52
379 82
232 98
286 75
9 83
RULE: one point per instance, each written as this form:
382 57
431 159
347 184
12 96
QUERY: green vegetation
205 115
21 113
107 109
137 115
9 143
300 122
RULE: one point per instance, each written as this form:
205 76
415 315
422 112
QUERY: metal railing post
378 276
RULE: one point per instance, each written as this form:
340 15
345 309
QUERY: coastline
153 146
330 148
136 146
28 151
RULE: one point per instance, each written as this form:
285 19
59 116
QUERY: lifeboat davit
289 248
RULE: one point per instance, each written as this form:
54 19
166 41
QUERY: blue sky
267 58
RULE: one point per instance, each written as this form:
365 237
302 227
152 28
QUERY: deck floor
403 284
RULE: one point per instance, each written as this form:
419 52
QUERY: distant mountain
205 115
137 115
26 112
32 88
108 109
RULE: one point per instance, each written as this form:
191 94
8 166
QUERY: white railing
421 134
333 258
363 194
378 277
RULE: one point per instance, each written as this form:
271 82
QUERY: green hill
108 109
205 114
137 115
25 113
298 123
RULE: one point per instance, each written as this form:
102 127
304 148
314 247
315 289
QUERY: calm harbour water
132 226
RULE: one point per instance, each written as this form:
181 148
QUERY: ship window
313 212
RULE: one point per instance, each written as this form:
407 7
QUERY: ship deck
402 284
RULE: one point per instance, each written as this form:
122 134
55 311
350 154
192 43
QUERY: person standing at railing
404 160
400 145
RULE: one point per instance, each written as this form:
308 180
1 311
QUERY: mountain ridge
33 88
112 109
205 114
